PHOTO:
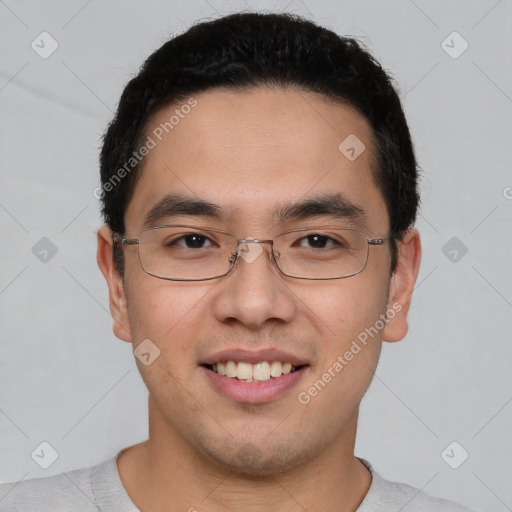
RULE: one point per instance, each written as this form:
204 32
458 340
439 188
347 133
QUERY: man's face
251 153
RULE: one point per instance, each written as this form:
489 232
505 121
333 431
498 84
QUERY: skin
249 151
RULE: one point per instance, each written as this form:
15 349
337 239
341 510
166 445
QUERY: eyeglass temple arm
124 241
379 241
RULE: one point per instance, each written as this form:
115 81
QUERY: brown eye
190 241
318 241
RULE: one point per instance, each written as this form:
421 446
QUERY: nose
254 292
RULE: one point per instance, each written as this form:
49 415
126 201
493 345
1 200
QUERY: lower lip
253 392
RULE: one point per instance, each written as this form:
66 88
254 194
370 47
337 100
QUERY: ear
117 296
402 286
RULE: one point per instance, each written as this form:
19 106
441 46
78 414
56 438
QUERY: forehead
254 153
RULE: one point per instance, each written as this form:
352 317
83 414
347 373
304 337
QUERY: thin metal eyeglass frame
117 238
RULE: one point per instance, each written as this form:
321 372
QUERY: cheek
169 314
351 305
350 313
171 318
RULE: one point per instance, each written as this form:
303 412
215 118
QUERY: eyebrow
173 205
334 205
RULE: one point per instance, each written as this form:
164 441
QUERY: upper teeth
253 372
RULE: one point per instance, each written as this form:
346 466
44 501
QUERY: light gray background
67 380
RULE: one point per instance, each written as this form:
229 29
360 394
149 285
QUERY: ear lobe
117 296
402 286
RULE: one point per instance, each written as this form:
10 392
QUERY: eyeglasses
194 253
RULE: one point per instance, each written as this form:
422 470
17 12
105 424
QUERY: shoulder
385 495
63 492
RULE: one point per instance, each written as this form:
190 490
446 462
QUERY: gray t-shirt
99 488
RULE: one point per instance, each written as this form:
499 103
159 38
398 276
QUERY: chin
260 459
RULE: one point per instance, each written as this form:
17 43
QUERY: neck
166 474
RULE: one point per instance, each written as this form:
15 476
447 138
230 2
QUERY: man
259 189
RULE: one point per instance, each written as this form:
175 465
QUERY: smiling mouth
247 372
